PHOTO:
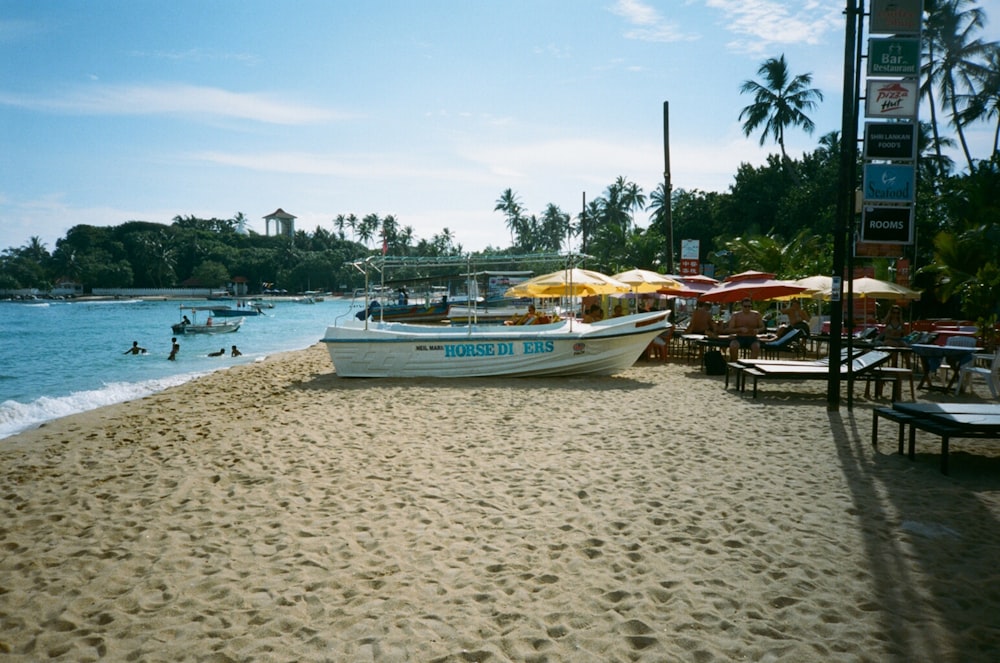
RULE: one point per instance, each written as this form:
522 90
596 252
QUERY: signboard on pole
891 225
690 250
896 16
894 57
889 183
891 140
891 99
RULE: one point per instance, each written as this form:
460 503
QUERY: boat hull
435 312
565 348
226 327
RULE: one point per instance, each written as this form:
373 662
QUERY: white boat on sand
569 347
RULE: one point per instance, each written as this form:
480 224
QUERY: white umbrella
643 280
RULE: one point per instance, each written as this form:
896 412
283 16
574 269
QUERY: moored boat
430 312
360 348
210 326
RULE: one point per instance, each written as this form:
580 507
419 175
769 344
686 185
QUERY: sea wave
18 417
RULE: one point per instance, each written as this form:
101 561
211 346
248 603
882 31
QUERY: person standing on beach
174 349
135 349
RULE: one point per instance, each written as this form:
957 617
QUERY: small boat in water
210 326
431 312
363 348
239 311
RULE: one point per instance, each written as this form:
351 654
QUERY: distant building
284 223
67 288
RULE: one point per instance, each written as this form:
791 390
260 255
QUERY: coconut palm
954 61
779 102
510 205
985 104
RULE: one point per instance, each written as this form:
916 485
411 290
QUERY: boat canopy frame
383 264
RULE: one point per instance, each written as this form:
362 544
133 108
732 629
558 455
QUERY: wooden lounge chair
861 366
737 367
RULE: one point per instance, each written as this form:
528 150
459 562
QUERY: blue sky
114 111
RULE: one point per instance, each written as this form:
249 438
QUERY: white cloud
649 24
174 99
763 23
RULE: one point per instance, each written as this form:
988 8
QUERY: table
931 356
960 420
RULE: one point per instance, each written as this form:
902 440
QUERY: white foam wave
17 417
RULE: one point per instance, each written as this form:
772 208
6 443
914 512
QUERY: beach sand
273 512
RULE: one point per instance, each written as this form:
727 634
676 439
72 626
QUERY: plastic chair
989 373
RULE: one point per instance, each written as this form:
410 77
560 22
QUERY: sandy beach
275 512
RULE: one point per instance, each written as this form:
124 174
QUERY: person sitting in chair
745 324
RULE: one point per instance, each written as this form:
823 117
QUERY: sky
140 110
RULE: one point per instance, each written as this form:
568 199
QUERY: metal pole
845 199
668 188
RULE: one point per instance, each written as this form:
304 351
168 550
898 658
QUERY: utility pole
668 188
854 13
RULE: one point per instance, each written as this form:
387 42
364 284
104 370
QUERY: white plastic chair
956 341
989 373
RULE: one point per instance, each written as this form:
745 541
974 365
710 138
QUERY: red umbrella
755 285
692 286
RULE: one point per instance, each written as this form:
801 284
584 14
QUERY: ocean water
61 358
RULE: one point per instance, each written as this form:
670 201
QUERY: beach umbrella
817 287
875 288
755 285
573 282
643 280
690 286
867 287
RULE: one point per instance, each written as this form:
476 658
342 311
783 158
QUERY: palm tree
985 104
779 102
954 60
338 223
634 199
352 223
509 204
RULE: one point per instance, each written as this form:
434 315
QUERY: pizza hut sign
891 99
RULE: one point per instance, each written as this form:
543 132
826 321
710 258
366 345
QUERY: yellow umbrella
574 282
643 280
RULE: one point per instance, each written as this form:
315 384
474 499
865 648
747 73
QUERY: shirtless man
701 320
745 324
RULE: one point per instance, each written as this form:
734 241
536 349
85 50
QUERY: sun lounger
861 366
737 367
946 420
